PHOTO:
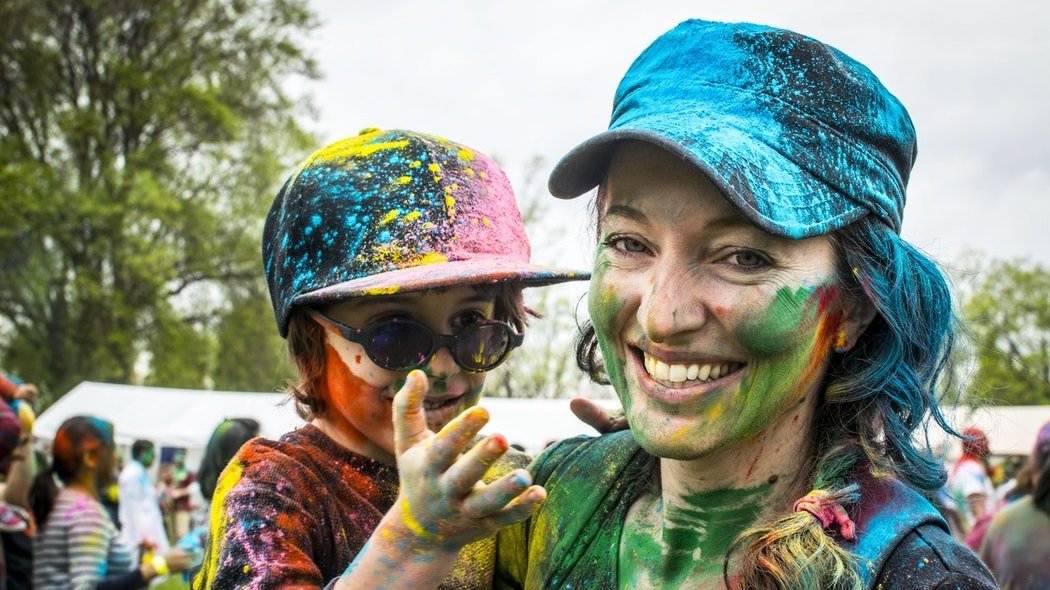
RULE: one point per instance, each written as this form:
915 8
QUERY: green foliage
1008 313
251 353
140 146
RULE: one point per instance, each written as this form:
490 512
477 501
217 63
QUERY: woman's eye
626 244
748 259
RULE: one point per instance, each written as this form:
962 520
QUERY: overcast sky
533 78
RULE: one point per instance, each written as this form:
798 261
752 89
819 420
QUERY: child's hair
306 343
876 396
75 438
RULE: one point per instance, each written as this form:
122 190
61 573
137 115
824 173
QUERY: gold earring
840 342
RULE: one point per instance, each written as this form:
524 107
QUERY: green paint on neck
669 545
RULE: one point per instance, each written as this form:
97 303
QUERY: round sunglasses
401 344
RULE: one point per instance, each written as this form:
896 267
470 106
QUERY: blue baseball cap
800 137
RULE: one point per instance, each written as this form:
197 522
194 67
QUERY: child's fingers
489 499
410 422
469 468
455 436
519 508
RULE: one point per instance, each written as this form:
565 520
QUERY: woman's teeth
680 373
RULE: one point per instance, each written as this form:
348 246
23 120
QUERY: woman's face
710 327
358 393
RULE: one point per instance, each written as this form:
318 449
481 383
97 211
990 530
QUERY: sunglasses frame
361 336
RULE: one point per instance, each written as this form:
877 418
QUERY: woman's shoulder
929 557
579 455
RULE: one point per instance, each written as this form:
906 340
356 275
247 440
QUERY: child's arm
442 505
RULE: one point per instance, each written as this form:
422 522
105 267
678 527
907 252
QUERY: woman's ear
857 316
91 459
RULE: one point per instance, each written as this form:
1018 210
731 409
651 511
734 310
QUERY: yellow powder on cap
415 164
411 217
465 154
390 216
433 167
381 290
433 258
404 179
351 149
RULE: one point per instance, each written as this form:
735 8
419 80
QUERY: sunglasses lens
399 346
483 346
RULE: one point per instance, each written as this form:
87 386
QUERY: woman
1017 545
77 546
385 253
774 342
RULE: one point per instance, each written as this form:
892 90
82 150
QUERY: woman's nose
671 305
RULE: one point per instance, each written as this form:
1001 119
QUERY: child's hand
443 504
598 417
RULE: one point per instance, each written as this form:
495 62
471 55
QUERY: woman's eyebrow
628 212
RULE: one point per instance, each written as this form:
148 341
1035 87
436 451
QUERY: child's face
359 393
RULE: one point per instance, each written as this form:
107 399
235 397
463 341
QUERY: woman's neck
86 486
683 531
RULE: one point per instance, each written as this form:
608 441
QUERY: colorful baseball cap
394 211
800 137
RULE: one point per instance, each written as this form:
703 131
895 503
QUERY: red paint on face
356 409
357 359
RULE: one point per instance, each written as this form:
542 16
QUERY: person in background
78 547
970 485
142 526
1017 544
177 490
225 441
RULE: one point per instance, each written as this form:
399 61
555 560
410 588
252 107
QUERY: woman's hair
1039 465
306 343
75 438
876 395
224 443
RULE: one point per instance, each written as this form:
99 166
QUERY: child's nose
442 364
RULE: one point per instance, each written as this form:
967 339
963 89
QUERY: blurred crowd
1001 510
87 514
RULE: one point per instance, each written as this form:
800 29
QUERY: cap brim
769 189
442 275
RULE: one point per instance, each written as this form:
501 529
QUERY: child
384 253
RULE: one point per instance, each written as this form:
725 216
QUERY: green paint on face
690 541
604 306
776 328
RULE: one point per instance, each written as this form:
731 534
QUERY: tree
141 145
1008 314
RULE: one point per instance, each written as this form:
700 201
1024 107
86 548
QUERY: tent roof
186 417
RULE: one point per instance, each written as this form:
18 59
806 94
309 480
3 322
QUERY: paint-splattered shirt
573 540
294 513
1017 546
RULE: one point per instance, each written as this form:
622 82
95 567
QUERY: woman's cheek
606 304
